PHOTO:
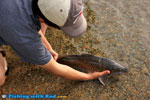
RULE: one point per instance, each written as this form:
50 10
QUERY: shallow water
118 30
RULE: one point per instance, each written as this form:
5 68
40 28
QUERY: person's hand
95 75
54 54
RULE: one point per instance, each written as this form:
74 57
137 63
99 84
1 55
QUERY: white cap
67 14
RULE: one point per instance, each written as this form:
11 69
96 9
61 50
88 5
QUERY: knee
2 80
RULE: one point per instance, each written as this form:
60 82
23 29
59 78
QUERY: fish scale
75 62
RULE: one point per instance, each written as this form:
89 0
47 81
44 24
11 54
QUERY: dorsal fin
87 55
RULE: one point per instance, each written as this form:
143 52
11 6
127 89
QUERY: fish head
118 69
114 67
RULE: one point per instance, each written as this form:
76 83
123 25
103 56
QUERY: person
23 24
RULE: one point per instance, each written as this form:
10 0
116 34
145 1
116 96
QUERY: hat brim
76 29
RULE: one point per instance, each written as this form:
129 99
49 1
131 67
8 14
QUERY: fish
89 63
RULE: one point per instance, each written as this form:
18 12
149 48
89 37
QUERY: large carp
89 63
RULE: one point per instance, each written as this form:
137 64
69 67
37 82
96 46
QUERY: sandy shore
118 30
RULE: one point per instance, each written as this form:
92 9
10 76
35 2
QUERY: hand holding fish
67 72
96 75
89 67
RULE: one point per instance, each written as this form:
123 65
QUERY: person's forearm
48 46
43 27
64 71
44 41
42 33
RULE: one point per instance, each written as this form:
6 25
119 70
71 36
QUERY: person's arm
47 45
44 40
43 27
70 73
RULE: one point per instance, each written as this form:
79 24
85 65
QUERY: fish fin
103 79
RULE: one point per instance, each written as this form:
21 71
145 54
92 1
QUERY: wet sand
118 30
